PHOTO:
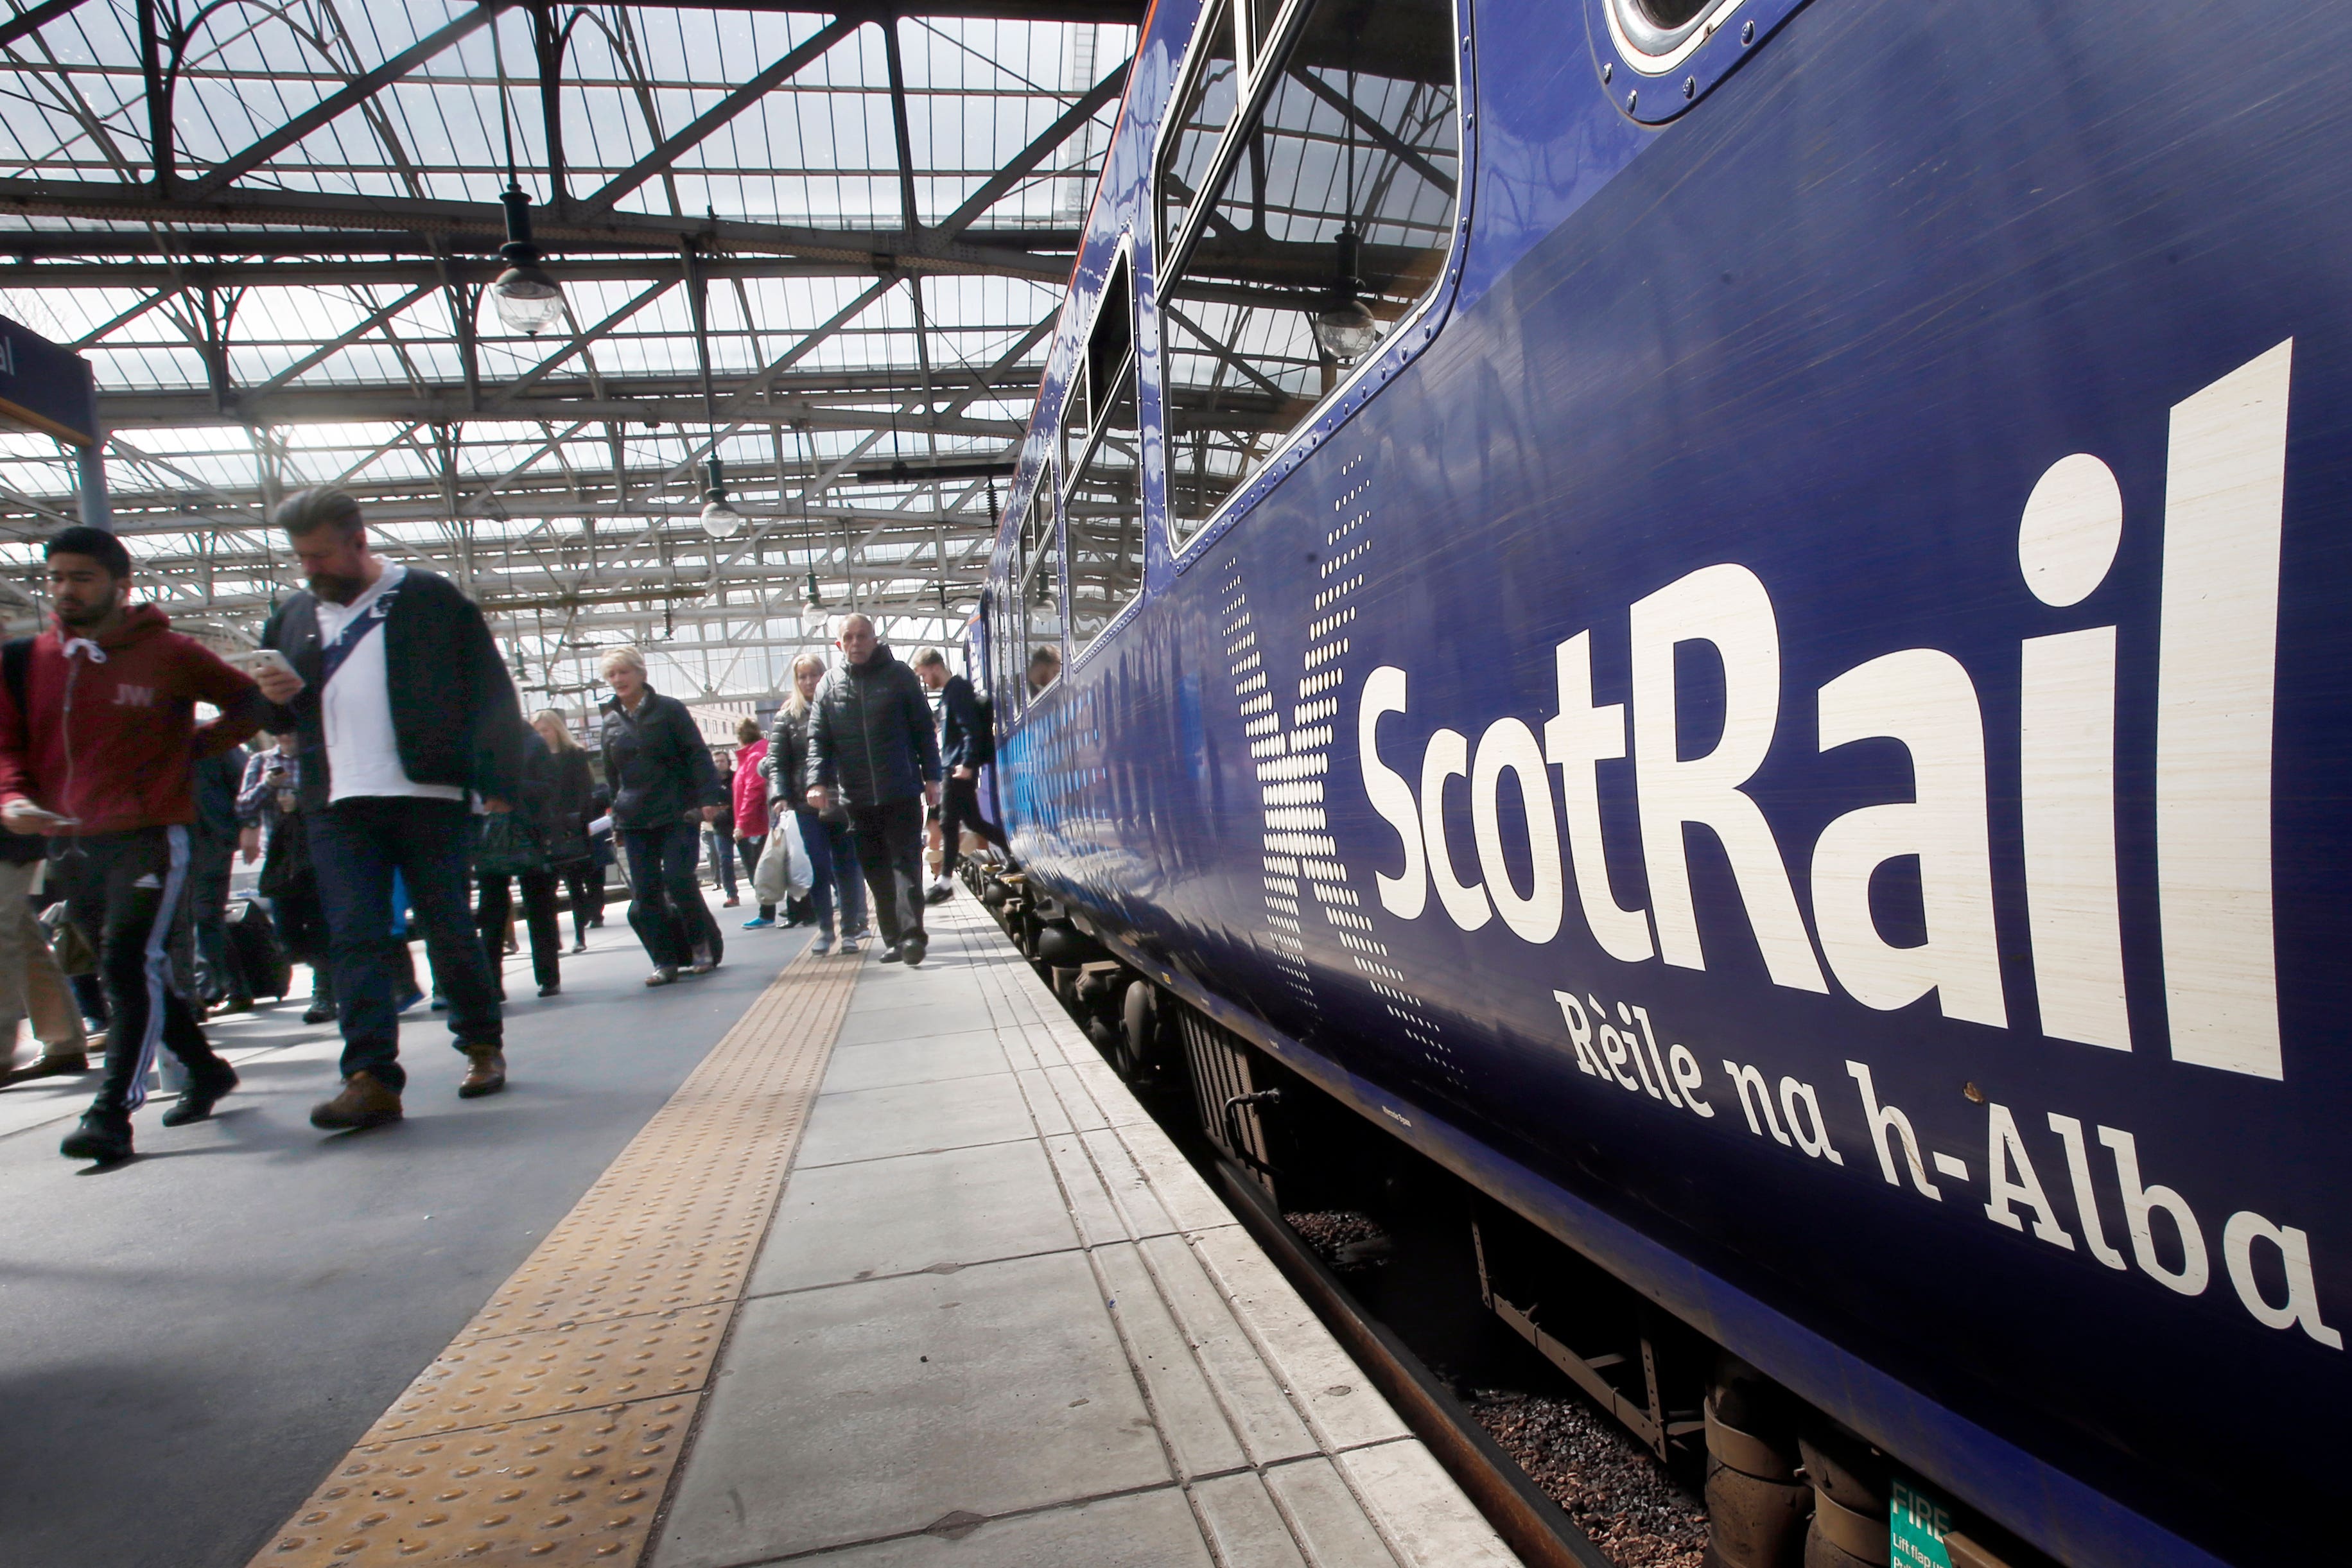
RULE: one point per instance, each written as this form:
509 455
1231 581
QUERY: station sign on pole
50 389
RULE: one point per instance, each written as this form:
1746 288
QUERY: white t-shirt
362 752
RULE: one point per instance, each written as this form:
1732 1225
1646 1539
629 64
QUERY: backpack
258 952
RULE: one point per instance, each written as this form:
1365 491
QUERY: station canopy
825 248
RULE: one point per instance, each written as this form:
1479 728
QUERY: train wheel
1139 1035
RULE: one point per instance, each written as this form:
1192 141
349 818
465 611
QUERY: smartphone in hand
254 661
279 679
23 816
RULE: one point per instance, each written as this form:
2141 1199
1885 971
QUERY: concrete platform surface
811 1260
998 1319
192 1337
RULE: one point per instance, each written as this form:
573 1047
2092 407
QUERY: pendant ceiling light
527 300
813 612
719 518
1343 327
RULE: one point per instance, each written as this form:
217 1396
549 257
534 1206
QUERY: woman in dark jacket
570 813
831 843
536 803
664 788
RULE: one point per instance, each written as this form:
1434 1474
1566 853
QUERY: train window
1211 94
1110 342
1102 513
978 660
1040 581
1658 35
1263 15
1332 213
1104 518
1669 15
1003 655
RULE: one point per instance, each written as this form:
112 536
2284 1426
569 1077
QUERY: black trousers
749 851
123 889
583 889
490 912
959 809
302 921
890 848
217 973
665 907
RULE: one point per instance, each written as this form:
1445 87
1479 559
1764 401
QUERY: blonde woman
573 809
832 845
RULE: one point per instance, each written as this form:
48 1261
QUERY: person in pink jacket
751 809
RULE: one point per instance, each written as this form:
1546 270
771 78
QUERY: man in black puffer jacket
870 738
664 787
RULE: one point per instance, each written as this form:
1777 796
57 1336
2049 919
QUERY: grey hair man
663 787
871 744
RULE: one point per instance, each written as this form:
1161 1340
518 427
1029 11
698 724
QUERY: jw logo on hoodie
129 696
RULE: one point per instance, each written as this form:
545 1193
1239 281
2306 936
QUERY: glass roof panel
295 291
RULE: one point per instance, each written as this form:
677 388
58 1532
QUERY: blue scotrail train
1736 622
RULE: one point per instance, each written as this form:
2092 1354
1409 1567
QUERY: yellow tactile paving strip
550 1428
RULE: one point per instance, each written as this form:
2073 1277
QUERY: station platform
899 1274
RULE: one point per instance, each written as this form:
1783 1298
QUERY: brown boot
364 1103
485 1072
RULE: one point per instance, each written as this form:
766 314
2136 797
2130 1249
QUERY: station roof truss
828 248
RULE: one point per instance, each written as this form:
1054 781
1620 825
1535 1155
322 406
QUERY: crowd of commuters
397 788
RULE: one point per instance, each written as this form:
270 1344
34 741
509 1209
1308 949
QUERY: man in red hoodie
98 734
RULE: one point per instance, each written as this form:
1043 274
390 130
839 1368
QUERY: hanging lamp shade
527 300
1344 327
719 518
813 612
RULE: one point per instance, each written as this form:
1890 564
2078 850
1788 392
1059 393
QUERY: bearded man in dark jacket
870 738
390 679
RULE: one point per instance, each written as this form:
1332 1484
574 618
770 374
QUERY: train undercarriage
1460 1292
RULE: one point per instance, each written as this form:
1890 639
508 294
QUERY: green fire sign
1917 1525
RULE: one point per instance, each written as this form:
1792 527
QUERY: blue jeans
721 846
833 871
665 907
357 847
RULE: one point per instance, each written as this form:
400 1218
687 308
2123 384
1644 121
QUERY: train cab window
1212 93
1331 215
1041 578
